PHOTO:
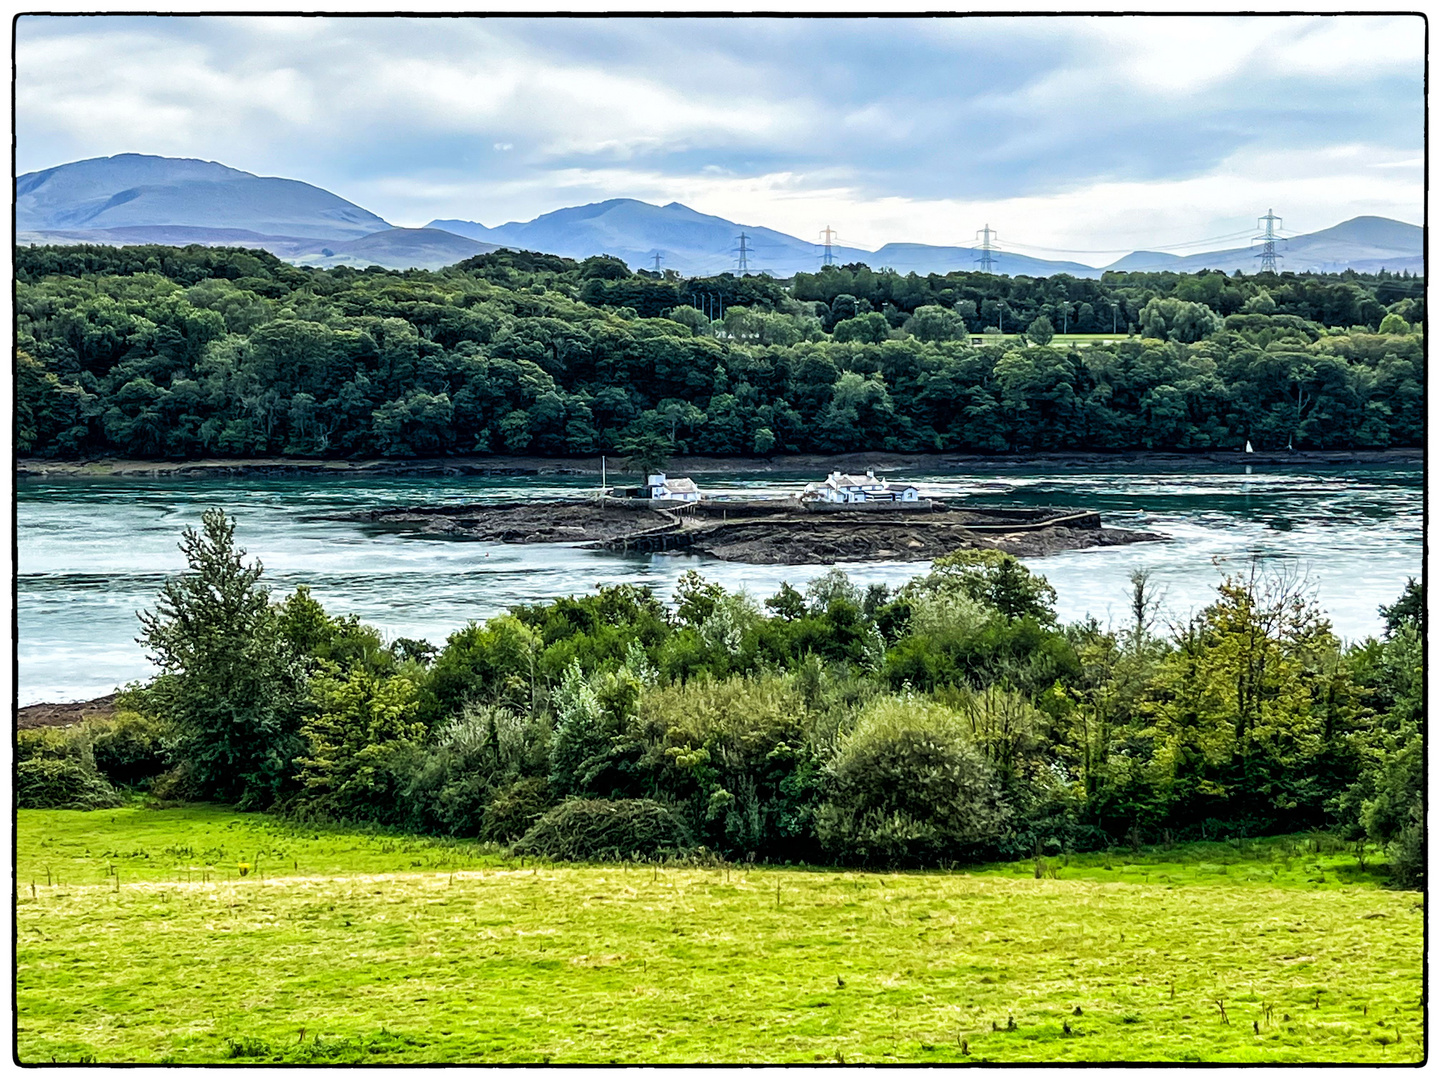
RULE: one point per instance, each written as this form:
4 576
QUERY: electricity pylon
742 262
828 237
1267 255
988 249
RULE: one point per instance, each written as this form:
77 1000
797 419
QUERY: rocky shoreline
772 531
509 465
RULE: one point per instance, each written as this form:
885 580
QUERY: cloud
1083 128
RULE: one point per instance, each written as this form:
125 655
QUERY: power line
1151 247
986 258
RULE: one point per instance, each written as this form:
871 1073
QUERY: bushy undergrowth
129 748
55 770
594 830
62 784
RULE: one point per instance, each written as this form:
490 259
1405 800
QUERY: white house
679 489
840 488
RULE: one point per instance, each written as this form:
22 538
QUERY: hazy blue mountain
140 190
929 259
286 247
398 249
688 242
1364 244
140 198
693 243
1146 260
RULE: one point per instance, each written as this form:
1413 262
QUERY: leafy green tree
1237 706
646 452
1040 331
224 682
907 787
997 580
360 721
935 323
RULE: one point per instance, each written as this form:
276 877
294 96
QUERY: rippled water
93 552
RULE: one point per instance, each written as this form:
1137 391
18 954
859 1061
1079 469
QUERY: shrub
908 788
361 721
1407 852
178 785
514 809
737 755
590 830
129 747
67 783
447 785
591 712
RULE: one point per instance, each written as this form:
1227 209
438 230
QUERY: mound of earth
528 523
65 714
897 543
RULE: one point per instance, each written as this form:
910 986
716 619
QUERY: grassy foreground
139 940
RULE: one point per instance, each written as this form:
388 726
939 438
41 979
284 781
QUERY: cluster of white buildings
838 487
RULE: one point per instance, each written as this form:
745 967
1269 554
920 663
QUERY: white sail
1248 448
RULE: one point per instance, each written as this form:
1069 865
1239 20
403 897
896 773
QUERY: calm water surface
93 552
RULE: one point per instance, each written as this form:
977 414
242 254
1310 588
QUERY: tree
224 682
1241 708
1177 320
360 720
1040 331
935 323
645 452
998 580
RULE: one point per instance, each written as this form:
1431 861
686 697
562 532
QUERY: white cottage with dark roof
676 489
842 488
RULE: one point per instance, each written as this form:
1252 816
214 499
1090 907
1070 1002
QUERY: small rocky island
777 530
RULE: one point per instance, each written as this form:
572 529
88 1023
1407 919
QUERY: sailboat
1248 448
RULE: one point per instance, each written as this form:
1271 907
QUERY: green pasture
138 939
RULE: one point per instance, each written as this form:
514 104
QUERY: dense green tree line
951 719
181 352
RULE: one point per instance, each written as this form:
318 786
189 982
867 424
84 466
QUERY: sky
1074 137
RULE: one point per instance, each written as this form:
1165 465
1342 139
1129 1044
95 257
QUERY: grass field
139 940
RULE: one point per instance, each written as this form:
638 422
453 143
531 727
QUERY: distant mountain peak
140 198
145 190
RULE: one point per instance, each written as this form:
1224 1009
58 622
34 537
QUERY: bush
178 785
908 788
129 748
447 785
514 809
597 830
736 756
62 783
1407 852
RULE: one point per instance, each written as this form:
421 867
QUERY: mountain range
144 199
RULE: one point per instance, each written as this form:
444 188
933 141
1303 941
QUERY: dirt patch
63 715
897 543
527 523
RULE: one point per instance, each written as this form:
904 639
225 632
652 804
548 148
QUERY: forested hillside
180 352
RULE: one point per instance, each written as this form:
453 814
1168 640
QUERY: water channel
93 552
